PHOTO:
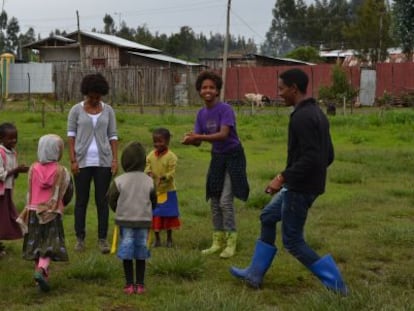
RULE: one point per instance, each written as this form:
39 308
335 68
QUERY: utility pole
80 41
119 19
226 51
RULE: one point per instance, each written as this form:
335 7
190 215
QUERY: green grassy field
365 220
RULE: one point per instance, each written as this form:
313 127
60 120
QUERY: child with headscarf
132 196
50 189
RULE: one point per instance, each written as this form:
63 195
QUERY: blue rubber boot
261 261
327 271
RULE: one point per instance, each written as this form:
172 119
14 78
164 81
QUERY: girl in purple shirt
226 178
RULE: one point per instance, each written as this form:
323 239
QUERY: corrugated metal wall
39 74
263 80
395 78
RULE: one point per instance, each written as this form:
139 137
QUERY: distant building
250 60
101 51
350 57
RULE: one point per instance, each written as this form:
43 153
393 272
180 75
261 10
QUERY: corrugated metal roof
52 37
294 60
336 53
120 42
166 58
251 56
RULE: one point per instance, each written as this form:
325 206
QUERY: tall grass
365 220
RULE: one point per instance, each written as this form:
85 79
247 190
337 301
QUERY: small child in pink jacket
49 190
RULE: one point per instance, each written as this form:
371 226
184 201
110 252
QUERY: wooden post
43 114
344 104
80 41
225 53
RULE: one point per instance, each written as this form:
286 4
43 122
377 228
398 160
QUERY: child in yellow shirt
161 164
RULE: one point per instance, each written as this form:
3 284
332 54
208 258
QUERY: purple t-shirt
209 121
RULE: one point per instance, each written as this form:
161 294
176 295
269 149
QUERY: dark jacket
234 163
310 149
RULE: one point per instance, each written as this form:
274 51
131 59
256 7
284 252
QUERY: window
99 62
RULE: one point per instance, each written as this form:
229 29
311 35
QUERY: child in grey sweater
132 196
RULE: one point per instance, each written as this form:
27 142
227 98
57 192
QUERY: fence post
141 83
29 104
43 114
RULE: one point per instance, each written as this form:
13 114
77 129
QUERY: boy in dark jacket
310 152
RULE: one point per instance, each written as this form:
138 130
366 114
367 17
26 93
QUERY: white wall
367 87
41 78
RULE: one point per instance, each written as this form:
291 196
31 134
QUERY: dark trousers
101 178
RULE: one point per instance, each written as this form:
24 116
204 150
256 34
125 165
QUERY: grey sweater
132 196
81 125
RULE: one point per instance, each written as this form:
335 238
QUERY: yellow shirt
162 169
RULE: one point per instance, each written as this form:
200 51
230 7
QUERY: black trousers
101 177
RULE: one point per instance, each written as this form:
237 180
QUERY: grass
365 220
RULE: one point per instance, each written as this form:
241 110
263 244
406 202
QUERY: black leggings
129 271
101 177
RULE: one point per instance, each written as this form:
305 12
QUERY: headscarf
50 148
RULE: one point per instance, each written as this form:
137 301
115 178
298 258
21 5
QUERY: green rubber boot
218 243
230 249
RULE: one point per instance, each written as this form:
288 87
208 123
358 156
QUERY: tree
369 33
336 18
109 28
126 32
294 24
159 41
277 41
341 88
305 53
12 35
404 25
26 38
183 44
144 36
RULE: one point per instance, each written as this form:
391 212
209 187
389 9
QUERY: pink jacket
42 180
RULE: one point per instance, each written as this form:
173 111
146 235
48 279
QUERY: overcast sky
250 18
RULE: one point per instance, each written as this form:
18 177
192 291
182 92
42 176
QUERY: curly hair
4 127
94 83
208 75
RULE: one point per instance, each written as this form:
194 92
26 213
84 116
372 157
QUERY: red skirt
9 228
165 223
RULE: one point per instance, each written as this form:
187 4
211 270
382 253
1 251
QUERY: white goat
259 100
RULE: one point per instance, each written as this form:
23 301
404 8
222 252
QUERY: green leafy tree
3 20
12 35
159 41
109 27
277 38
305 53
28 37
183 44
126 32
336 18
144 36
369 34
341 88
404 25
294 24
